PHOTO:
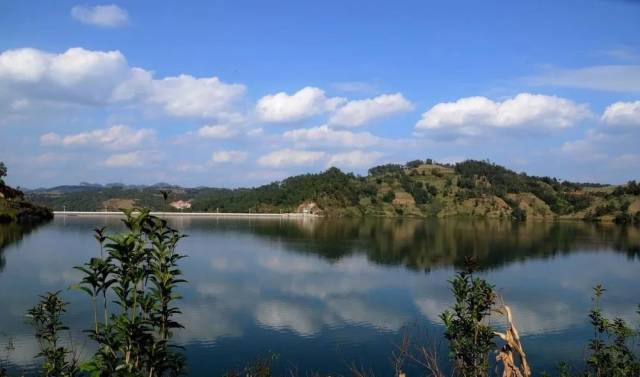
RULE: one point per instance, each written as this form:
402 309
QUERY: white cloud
622 114
324 135
77 75
222 157
188 167
304 104
125 160
472 115
588 148
359 112
354 159
188 96
255 132
25 64
617 78
290 157
217 131
100 15
115 137
84 77
617 136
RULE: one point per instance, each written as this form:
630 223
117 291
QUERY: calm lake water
327 294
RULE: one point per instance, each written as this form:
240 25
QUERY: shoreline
186 214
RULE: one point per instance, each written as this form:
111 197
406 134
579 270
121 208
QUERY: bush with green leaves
46 319
137 271
611 352
470 337
389 196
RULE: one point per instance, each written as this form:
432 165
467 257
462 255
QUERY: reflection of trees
9 234
417 244
425 245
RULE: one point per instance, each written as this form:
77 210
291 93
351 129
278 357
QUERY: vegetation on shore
132 284
15 208
416 189
132 281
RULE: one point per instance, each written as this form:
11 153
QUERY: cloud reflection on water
304 281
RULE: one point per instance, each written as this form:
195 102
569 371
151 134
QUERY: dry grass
118 204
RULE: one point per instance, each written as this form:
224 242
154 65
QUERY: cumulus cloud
354 159
83 77
136 159
100 15
324 135
588 148
77 75
616 78
115 137
613 144
129 160
217 131
188 96
290 157
304 104
223 157
622 114
359 112
471 116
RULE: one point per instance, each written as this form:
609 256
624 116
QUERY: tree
138 273
165 194
3 171
470 337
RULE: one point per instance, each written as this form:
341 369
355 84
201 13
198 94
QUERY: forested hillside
14 207
417 188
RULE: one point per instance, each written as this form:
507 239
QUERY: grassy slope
472 188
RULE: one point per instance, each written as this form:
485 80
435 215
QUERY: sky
242 93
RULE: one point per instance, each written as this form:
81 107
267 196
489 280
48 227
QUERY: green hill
417 189
14 207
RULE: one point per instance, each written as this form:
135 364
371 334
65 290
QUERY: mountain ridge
419 188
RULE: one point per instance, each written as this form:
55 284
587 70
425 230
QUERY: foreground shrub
470 339
138 271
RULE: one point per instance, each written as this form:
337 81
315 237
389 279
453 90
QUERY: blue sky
237 93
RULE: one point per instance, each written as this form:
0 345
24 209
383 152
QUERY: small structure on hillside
181 204
309 208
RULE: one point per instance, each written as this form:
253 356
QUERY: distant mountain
417 188
84 187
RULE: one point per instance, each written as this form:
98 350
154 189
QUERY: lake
325 294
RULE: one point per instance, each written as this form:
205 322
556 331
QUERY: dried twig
512 346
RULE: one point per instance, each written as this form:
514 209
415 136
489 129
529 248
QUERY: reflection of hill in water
431 244
417 244
12 233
